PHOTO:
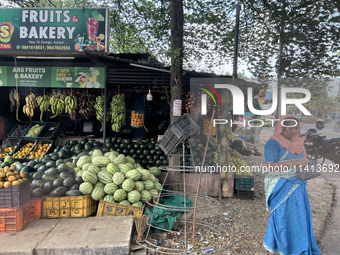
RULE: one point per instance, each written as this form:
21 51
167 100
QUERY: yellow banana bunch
30 105
44 104
57 105
118 112
71 103
99 106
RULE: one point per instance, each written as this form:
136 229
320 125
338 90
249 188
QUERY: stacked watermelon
116 178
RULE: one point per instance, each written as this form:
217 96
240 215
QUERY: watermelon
107 154
9 160
86 166
83 160
133 175
130 160
110 188
139 186
131 166
138 166
79 173
89 176
104 177
86 188
98 193
99 184
152 178
138 204
123 168
145 196
115 153
145 174
112 168
94 169
128 185
120 195
96 153
111 157
133 196
148 185
118 178
125 202
109 198
153 192
157 186
155 171
103 169
100 161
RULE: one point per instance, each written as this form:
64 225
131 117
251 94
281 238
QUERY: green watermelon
148 185
125 202
79 173
110 188
152 178
145 196
120 195
86 188
83 160
104 177
153 192
123 168
133 175
98 193
101 161
118 178
133 196
94 169
112 168
157 186
109 198
111 157
131 166
145 174
96 153
155 171
128 185
130 160
86 166
89 176
139 186
138 204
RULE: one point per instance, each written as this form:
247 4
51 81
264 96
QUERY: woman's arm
302 162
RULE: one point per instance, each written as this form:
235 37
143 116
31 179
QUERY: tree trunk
176 53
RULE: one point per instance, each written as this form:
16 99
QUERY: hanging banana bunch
118 112
99 106
71 103
30 105
86 105
44 104
57 105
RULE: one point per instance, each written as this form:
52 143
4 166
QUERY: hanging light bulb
149 96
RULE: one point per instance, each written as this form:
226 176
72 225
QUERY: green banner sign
45 31
55 77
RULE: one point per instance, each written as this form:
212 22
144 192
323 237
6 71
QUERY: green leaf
98 16
335 19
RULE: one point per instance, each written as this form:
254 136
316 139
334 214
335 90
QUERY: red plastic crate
15 196
14 219
35 208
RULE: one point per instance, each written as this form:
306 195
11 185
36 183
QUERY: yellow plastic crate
58 207
106 208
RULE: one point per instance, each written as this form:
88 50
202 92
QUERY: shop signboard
51 76
33 31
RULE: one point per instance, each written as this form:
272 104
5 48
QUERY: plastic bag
137 119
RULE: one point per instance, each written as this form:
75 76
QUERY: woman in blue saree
290 230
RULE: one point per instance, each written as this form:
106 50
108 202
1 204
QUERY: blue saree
290 230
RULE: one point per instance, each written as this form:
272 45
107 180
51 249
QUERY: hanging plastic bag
137 119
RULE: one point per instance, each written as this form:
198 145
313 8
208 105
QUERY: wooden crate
106 208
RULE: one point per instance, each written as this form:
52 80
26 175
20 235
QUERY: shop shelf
245 194
51 131
15 196
61 207
14 219
50 142
106 208
35 205
244 182
33 123
22 143
11 134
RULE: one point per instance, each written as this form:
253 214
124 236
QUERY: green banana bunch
57 105
118 112
99 106
44 104
71 103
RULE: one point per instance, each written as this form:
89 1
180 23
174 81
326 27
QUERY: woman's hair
290 119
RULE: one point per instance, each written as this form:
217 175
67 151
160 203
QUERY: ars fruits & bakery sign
45 31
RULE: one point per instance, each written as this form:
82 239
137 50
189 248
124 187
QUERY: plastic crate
33 123
15 196
106 208
22 143
75 207
50 142
10 134
177 132
245 182
9 142
14 219
35 205
51 131
245 194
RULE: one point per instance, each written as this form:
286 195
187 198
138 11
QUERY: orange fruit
16 183
9 174
17 176
7 184
22 175
11 178
16 172
2 175
1 184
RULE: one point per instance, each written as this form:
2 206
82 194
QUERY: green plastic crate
244 182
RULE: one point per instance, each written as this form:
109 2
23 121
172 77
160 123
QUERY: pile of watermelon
116 178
